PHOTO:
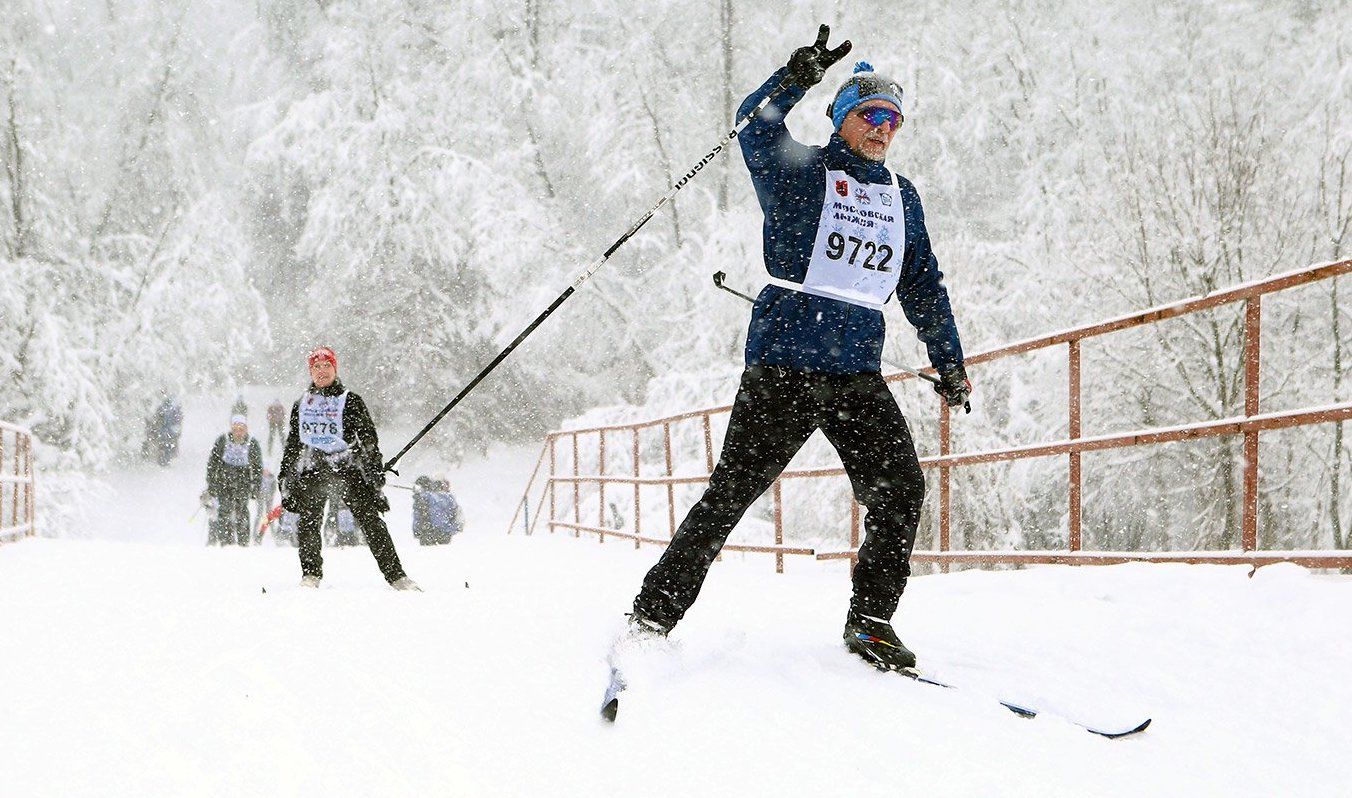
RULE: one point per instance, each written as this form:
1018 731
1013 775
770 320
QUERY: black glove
954 387
807 65
289 502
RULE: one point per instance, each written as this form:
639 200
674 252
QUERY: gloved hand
289 501
339 459
954 387
808 65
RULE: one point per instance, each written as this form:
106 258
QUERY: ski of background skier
610 704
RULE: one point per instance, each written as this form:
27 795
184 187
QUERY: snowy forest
195 194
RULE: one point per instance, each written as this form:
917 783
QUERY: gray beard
860 152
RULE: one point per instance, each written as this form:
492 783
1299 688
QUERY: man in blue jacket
842 235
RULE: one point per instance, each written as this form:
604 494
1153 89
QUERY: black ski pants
775 412
362 500
230 526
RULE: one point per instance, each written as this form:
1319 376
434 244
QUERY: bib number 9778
319 427
876 256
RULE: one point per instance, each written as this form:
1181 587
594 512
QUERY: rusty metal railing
16 483
1073 447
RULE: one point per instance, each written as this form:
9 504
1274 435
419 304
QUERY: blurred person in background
276 423
437 516
234 469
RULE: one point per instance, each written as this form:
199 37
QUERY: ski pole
587 273
718 281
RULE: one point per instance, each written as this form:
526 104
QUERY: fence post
31 486
1076 502
708 445
671 489
601 487
638 510
779 525
18 472
854 526
709 460
14 492
553 473
577 489
1253 319
945 448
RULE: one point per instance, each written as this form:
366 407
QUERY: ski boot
404 583
641 636
874 640
309 580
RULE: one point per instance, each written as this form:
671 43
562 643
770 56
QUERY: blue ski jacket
814 333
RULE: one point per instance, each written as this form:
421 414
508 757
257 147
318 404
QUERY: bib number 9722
876 256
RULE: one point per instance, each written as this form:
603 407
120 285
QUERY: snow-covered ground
138 662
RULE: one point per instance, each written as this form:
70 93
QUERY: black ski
610 704
1028 712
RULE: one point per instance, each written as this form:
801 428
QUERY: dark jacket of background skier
813 333
225 480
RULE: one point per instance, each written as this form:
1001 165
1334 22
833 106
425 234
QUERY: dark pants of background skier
362 501
231 524
775 412
279 430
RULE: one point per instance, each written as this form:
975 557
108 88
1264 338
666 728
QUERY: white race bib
235 454
321 421
861 240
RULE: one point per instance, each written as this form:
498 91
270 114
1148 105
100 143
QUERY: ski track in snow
138 662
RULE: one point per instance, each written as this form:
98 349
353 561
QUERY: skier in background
276 423
331 441
163 429
437 516
233 472
842 235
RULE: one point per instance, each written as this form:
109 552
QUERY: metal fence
16 483
563 490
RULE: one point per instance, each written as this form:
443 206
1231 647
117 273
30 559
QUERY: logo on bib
861 197
887 198
843 188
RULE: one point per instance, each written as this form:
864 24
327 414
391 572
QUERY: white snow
140 663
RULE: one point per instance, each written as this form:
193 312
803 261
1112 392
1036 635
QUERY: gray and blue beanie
863 86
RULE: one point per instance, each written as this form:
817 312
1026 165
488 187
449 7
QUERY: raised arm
776 161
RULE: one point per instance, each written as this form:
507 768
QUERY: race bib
321 421
235 454
861 240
